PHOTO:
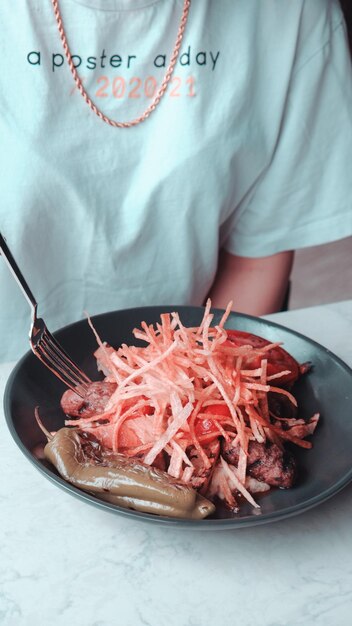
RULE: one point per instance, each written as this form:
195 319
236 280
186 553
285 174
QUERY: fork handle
18 275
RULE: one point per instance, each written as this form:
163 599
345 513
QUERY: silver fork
42 342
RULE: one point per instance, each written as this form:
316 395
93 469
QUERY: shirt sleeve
304 197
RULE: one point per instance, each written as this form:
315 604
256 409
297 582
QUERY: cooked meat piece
159 461
281 406
266 462
94 401
304 368
299 428
201 477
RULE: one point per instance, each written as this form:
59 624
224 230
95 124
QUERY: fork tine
59 351
59 369
54 357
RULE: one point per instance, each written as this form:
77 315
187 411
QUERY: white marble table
63 562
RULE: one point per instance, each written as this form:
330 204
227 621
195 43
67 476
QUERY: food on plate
82 461
209 407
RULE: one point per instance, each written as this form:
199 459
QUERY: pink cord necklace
163 86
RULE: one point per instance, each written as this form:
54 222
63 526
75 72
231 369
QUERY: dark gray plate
323 471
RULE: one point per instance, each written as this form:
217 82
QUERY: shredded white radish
178 420
231 473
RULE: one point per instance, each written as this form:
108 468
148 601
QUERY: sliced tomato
218 409
144 410
128 437
135 431
278 359
205 426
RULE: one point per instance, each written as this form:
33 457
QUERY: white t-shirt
250 148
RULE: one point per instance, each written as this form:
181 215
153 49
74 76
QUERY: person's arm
257 286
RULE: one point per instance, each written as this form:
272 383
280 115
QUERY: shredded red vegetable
186 388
